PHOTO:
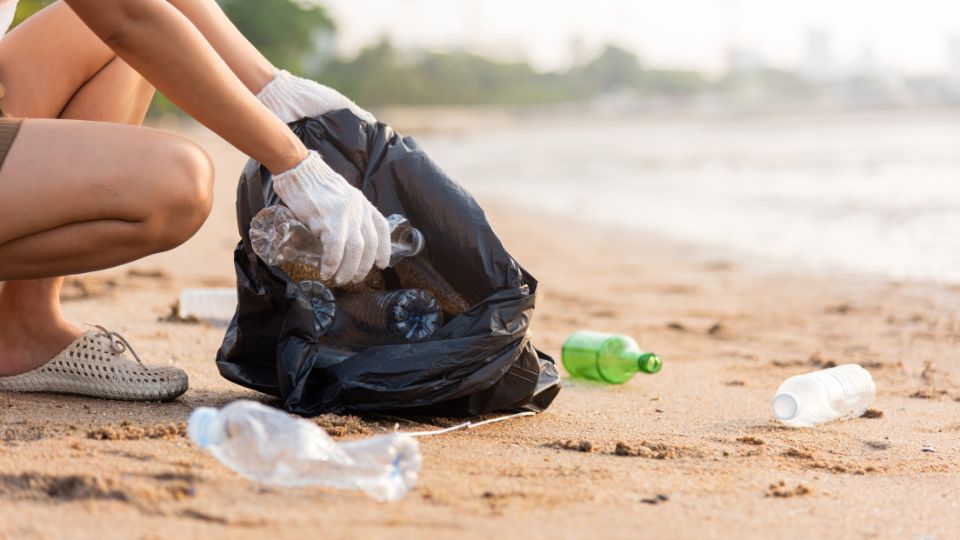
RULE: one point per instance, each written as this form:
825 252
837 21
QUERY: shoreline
447 120
699 433
708 254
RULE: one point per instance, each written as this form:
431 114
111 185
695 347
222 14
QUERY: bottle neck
649 363
199 426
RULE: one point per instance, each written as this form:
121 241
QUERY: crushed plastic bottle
841 392
278 238
609 358
384 318
269 446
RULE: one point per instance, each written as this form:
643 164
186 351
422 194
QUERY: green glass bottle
610 358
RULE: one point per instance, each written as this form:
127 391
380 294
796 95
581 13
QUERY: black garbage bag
479 361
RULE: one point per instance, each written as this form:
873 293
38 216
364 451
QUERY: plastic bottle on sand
844 391
216 305
267 445
610 358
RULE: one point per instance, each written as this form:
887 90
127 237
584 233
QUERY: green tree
383 75
291 34
672 82
287 32
613 70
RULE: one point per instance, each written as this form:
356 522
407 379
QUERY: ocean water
873 193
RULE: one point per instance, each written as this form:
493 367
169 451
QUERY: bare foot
32 327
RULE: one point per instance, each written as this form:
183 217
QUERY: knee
187 195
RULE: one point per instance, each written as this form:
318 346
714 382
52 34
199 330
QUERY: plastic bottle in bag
267 445
279 238
806 400
382 318
319 299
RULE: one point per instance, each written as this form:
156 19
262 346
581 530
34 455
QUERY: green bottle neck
649 363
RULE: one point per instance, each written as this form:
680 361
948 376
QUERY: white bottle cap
198 427
786 406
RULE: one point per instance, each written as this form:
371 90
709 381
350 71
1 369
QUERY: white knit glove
354 234
292 98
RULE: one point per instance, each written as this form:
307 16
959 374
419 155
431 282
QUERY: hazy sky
909 35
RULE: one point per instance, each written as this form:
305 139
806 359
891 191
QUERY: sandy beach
691 452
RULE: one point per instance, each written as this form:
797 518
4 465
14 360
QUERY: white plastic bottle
215 305
267 445
844 391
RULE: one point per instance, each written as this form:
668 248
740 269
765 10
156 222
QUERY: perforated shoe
96 365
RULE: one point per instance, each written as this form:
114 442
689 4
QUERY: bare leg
34 329
107 195
112 194
115 94
46 60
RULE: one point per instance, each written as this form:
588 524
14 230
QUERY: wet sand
691 452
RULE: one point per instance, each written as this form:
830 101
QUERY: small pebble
656 500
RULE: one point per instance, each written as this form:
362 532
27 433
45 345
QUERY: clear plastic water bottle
278 238
269 446
806 400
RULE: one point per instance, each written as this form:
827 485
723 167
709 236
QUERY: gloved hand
354 234
292 98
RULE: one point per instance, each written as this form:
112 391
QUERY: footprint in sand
87 287
144 493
